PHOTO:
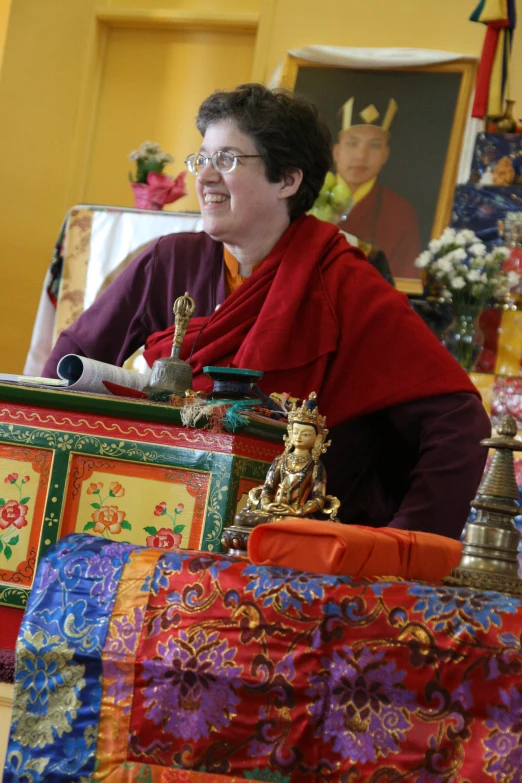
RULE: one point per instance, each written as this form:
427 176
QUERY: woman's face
240 207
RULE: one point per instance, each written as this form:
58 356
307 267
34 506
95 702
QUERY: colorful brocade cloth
139 665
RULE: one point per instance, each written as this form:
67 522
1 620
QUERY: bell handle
184 307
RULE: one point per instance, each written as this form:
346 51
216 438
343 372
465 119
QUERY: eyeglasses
223 161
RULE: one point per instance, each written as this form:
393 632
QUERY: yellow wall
422 24
52 106
5 8
163 57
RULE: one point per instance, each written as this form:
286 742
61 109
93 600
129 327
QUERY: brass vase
507 123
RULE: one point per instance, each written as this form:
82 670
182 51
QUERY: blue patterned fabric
59 661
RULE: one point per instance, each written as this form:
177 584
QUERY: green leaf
89 526
164 512
8 552
2 502
95 505
111 494
25 500
14 540
1 545
126 525
179 528
151 530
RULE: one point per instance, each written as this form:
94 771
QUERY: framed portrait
402 192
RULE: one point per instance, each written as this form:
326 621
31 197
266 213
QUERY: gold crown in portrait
369 115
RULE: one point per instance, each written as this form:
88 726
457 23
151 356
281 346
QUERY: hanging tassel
233 419
493 74
202 414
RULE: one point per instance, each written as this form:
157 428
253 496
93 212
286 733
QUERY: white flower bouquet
459 266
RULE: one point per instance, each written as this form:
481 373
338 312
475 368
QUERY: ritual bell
171 375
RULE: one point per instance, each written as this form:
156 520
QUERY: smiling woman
228 200
302 305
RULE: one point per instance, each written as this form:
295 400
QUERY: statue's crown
368 116
308 413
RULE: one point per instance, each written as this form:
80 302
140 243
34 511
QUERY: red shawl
317 317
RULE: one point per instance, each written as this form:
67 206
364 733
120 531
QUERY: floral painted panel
24 481
150 505
159 662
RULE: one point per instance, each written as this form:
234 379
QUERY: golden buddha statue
295 485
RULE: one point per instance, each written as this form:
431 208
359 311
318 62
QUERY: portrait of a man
377 214
397 135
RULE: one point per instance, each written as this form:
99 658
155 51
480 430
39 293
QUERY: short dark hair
286 129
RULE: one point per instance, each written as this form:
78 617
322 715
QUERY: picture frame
426 137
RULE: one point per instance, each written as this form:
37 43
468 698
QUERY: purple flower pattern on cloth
504 743
191 686
360 705
119 658
105 569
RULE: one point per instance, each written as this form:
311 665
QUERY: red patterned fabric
215 665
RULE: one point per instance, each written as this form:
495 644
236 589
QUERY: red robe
389 222
314 318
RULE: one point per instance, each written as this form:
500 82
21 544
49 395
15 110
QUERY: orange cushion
353 550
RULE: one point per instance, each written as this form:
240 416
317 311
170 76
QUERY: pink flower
108 517
160 509
26 479
159 190
179 508
116 489
13 513
164 539
94 488
11 478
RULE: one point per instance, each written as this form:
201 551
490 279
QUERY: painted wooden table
122 469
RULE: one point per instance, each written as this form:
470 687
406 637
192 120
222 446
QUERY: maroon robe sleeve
113 326
139 302
446 432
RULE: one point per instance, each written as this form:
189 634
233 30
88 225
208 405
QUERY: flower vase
158 190
463 337
142 199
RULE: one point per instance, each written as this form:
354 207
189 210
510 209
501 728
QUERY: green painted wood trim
119 407
14 596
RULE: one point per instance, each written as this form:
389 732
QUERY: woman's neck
257 249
